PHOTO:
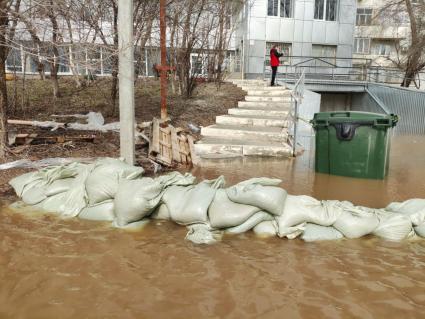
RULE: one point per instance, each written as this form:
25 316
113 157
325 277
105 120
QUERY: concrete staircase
258 126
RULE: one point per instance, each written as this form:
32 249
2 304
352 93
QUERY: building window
14 60
284 48
362 45
382 47
325 55
325 10
364 16
279 8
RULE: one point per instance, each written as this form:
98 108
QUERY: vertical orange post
163 67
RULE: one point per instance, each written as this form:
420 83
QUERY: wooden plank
193 156
175 148
154 145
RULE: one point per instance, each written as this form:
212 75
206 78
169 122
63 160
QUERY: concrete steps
244 104
210 147
258 126
257 92
263 133
259 111
252 120
267 98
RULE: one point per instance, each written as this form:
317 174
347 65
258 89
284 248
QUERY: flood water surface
53 268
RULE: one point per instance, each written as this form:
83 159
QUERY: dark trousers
274 71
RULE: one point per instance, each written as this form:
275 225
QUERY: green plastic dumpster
355 144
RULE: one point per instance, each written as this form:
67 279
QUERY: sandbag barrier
111 190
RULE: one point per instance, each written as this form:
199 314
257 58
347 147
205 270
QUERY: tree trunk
114 84
3 100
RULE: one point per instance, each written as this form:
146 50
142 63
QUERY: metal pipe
162 27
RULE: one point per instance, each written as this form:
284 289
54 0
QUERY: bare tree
411 60
7 33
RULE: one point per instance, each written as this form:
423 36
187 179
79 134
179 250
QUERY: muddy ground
37 103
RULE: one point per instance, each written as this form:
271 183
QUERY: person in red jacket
274 62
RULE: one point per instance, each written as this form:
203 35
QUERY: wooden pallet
170 144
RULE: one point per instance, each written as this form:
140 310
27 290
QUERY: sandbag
189 205
52 204
266 229
253 221
176 179
75 199
354 222
202 234
223 213
100 212
414 208
59 186
135 199
34 195
305 209
102 183
20 182
161 212
313 232
259 193
393 226
420 230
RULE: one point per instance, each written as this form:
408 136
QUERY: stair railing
297 95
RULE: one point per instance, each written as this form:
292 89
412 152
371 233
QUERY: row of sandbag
114 191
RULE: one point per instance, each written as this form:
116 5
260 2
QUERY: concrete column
126 79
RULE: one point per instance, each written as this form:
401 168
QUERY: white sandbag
161 212
313 232
176 179
305 209
189 205
420 230
100 212
266 229
257 192
414 208
52 204
355 222
75 199
223 213
202 234
135 199
34 195
20 182
253 221
59 186
393 226
102 183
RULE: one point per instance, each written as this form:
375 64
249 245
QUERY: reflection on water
52 268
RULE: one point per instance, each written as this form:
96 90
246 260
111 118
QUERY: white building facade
300 28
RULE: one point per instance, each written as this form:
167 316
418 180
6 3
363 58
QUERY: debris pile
111 190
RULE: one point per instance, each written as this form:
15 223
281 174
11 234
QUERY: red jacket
274 57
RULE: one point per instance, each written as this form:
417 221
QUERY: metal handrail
297 95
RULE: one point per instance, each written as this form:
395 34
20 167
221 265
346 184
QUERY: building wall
301 31
382 31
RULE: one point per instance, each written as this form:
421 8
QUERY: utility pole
163 68
126 79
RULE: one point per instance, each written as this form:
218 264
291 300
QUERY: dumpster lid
362 118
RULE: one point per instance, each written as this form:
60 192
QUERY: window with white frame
279 8
284 48
364 16
382 47
325 10
362 45
14 60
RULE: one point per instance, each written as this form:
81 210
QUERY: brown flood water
52 268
